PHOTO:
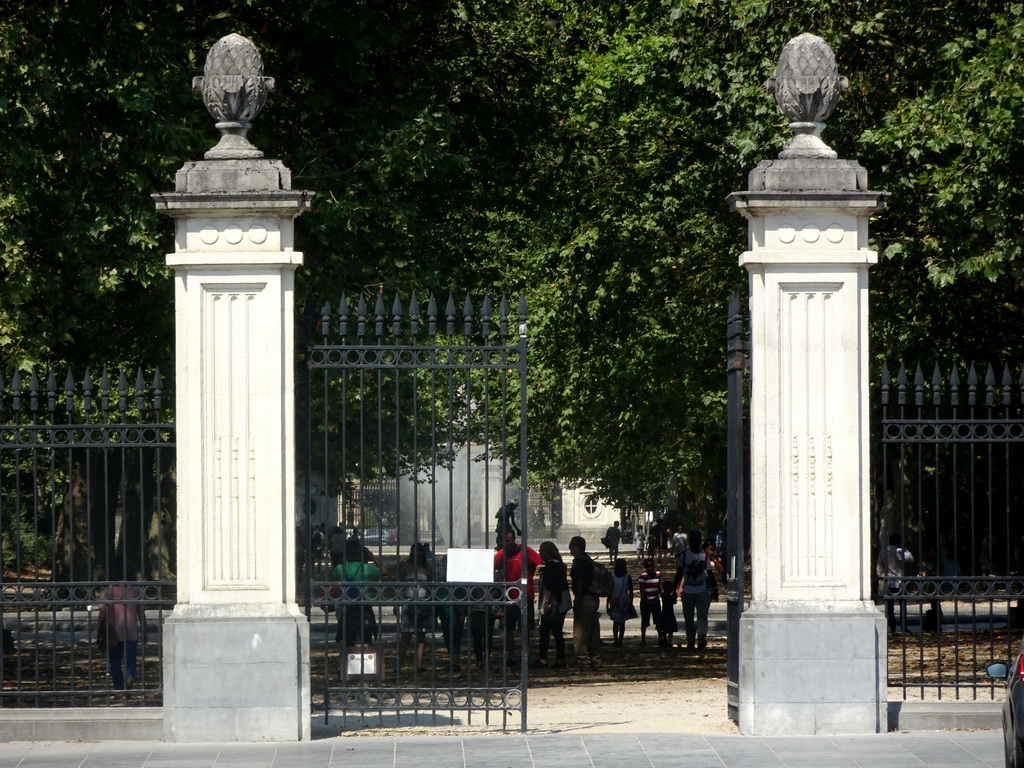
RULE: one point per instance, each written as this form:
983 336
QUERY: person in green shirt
356 622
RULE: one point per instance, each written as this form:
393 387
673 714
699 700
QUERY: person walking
693 589
586 622
554 601
613 536
620 601
649 582
122 622
639 539
416 616
654 539
669 625
716 568
319 545
894 562
678 543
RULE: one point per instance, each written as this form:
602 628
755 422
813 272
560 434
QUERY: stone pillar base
233 677
812 670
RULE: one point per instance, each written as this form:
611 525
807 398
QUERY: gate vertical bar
523 482
735 499
307 484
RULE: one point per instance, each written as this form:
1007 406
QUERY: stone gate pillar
236 647
812 644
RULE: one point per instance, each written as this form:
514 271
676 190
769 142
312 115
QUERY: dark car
1013 707
375 537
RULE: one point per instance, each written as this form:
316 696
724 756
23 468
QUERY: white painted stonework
809 428
236 647
234 340
812 644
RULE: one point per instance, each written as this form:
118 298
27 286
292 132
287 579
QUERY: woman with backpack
416 617
693 589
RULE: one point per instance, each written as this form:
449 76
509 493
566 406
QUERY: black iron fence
87 504
415 423
949 525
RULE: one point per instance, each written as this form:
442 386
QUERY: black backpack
601 583
695 570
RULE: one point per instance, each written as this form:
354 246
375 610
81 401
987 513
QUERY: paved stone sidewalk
938 749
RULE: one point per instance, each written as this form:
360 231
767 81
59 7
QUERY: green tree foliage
93 120
577 150
949 150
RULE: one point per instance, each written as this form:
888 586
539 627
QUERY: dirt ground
687 706
637 690
680 706
580 706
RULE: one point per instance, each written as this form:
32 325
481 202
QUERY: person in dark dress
555 600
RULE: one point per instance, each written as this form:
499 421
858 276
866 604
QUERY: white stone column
236 647
812 643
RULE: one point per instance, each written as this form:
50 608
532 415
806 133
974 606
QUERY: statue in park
506 517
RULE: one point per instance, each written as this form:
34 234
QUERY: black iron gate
949 523
737 507
413 464
87 505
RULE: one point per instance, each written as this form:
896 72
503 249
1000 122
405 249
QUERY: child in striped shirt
649 583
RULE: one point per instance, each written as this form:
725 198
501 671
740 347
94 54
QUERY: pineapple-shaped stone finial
807 86
234 91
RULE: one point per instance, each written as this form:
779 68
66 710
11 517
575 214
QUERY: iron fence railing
948 630
949 455
87 503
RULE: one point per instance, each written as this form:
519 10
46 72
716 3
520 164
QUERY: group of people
694 584
554 587
560 588
357 622
659 541
564 588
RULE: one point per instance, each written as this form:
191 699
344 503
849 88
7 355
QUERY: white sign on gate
470 565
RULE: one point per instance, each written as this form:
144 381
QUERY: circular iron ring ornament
928 587
79 437
953 431
403 357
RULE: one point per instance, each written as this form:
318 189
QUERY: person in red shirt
508 566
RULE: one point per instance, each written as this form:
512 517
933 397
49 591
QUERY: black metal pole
735 501
308 490
523 514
